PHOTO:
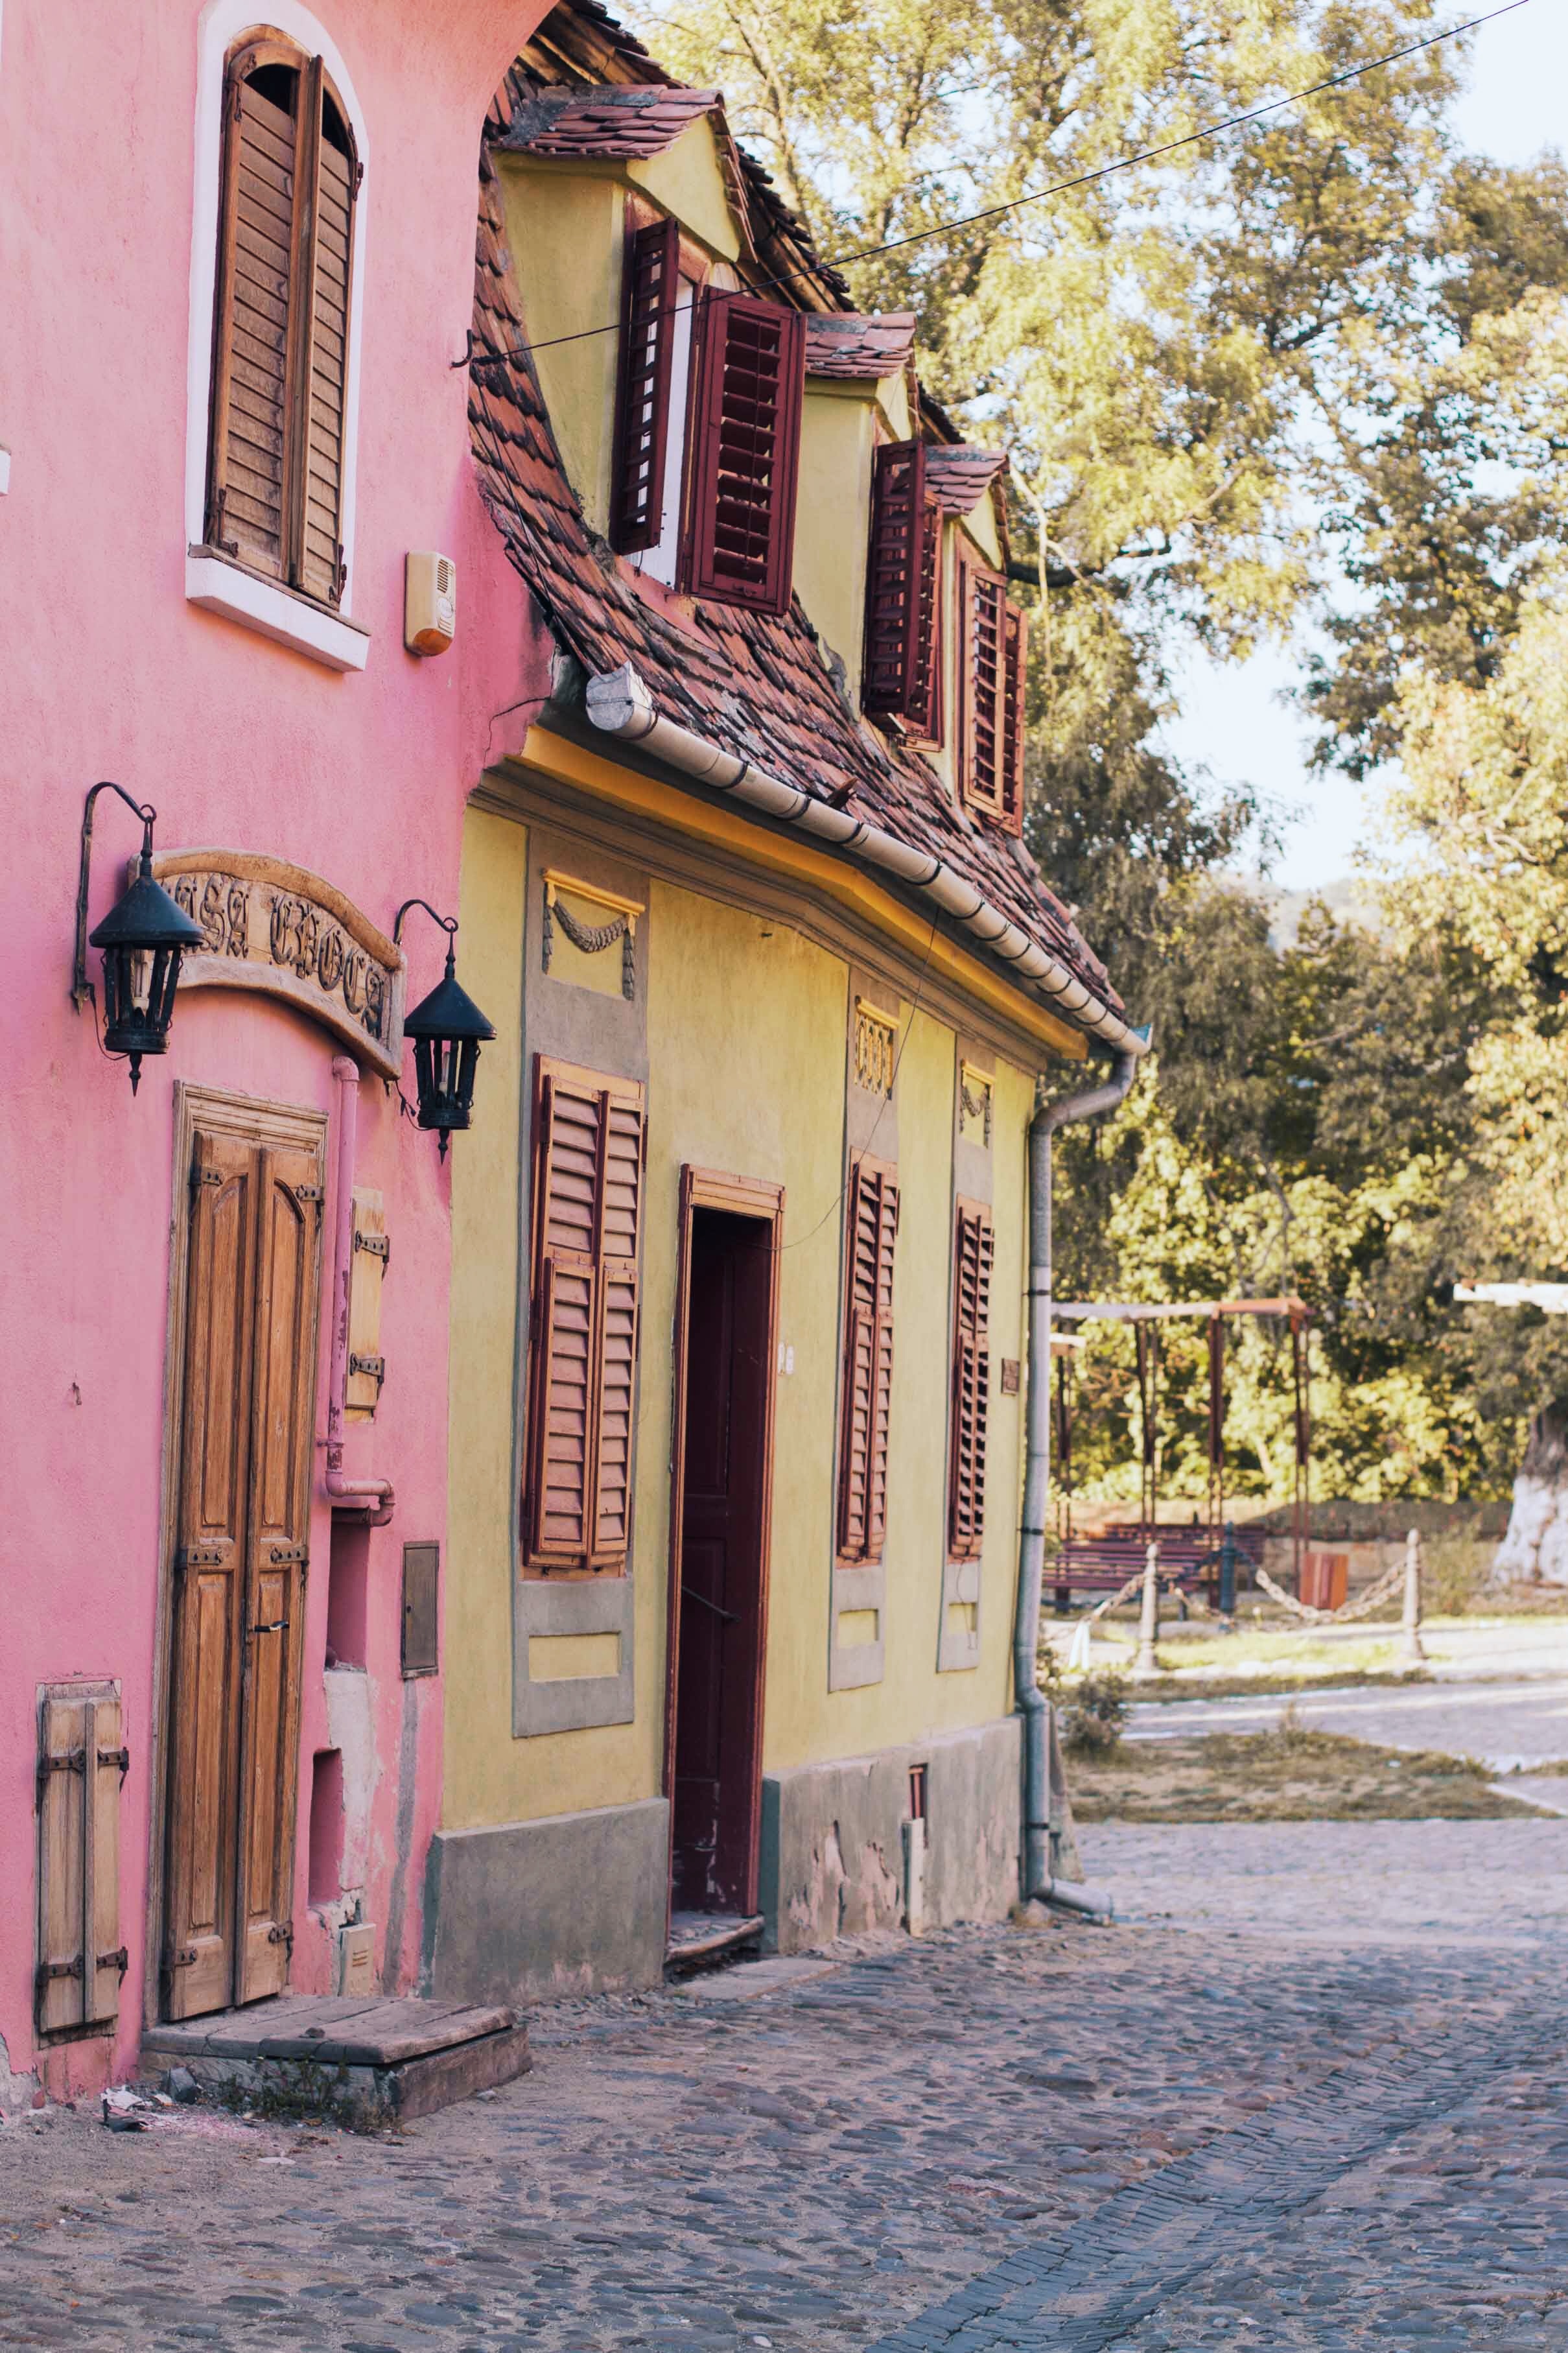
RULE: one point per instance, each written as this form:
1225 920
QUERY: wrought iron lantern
447 1029
142 938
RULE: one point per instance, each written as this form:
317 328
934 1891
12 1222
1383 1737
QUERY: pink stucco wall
106 670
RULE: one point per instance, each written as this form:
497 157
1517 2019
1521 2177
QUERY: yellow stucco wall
837 444
564 230
776 1112
686 181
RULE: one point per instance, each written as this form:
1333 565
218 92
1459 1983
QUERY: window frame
215 581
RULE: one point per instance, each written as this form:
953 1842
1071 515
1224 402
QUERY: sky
1232 721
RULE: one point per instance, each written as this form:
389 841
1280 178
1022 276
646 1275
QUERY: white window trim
212 580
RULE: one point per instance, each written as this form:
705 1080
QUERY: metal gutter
618 704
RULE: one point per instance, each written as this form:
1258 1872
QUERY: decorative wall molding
975 1105
876 1048
270 925
590 939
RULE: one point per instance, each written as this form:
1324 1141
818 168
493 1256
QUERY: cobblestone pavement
1225 2128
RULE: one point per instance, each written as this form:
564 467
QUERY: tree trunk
1536 1545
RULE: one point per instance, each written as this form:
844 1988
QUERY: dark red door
718 1699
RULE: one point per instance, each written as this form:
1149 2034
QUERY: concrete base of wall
833 1838
533 1911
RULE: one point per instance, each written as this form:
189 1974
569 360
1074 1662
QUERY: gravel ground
1308 2095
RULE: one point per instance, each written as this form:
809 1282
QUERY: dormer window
708 431
290 179
902 675
992 650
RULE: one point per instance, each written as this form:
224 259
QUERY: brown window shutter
896 581
650 291
744 455
329 172
926 715
80 1958
973 1249
256 325
587 1210
873 1225
1016 654
983 675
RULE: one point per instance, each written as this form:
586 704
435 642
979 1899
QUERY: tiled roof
845 343
958 477
618 120
757 686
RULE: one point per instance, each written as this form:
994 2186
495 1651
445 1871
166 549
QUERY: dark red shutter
1015 650
872 1231
744 455
926 713
973 1250
983 671
895 579
651 290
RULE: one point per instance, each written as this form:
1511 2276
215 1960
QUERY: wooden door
243 1517
718 1611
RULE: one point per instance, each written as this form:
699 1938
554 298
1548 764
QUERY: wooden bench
1187 1559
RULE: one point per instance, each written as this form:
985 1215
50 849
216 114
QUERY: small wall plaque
1009 1375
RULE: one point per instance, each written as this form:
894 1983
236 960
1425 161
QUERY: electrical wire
472 358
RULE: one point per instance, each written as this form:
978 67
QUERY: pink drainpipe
370 1496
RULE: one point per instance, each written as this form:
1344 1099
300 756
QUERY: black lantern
447 1029
143 939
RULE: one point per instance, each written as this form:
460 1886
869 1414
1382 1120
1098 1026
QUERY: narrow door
719 1620
239 1571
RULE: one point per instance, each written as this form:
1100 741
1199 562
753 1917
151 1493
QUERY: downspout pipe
373 1497
619 703
1029 1700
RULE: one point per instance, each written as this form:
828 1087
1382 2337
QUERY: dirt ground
1293 1775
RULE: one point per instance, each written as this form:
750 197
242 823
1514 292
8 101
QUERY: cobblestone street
1318 2104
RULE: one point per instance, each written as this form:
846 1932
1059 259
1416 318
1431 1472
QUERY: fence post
1411 1652
1148 1616
1227 1573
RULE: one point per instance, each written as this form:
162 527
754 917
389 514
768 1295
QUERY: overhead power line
1039 195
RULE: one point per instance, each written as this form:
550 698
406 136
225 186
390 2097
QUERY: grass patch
1292 1774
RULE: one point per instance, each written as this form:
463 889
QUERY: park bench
1187 1558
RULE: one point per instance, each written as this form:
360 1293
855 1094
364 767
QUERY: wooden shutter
895 580
329 176
209 1577
582 1332
982 674
925 714
81 1765
1015 649
279 1521
872 1231
745 454
281 337
651 289
256 327
973 1249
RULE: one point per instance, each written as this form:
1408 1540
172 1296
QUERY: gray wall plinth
533 1911
832 1859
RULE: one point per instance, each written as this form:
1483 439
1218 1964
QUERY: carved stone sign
270 926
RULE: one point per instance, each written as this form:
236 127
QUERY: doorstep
697 1937
368 2061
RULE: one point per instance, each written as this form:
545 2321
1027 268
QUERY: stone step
368 2061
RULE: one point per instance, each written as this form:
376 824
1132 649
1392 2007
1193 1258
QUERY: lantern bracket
448 922
81 987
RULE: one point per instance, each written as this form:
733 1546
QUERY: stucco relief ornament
270 925
590 939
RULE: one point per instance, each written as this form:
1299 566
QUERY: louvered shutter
872 1231
247 501
896 581
745 457
973 1249
983 672
330 176
1015 649
925 714
651 290
281 344
587 1208
81 1960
